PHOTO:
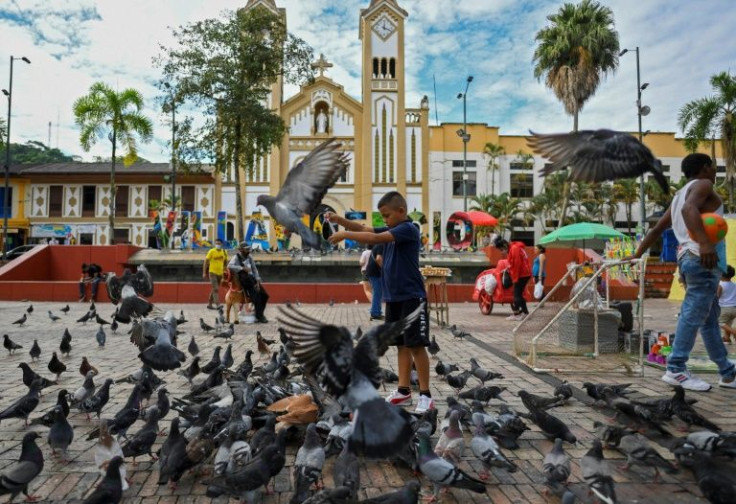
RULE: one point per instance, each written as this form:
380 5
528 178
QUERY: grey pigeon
29 376
538 401
61 434
715 479
48 418
227 333
458 381
556 468
337 495
308 465
171 454
352 374
17 476
110 489
162 355
597 155
632 415
125 417
86 391
114 325
484 447
433 347
346 473
483 394
443 474
721 444
190 371
444 369
65 347
65 310
551 426
610 435
35 351
687 413
205 327
305 186
638 451
227 358
597 474
595 390
563 391
214 362
142 441
56 366
86 317
193 348
458 333
98 401
21 320
53 317
25 405
451 444
482 374
101 321
408 494
10 345
101 337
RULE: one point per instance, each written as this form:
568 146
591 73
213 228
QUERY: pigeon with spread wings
304 188
128 290
597 155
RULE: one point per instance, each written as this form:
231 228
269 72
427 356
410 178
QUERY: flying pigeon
597 155
10 345
303 190
163 355
140 283
16 476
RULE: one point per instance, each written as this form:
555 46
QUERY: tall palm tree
505 209
493 152
704 118
483 202
574 51
626 191
105 112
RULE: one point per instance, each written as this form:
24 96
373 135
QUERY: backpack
506 280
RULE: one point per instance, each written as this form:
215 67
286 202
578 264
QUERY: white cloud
681 47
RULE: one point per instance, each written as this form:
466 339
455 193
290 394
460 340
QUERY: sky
73 43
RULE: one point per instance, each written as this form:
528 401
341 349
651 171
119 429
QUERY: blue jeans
377 287
699 310
83 287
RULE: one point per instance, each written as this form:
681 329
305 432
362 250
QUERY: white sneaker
398 399
424 404
512 317
727 384
687 381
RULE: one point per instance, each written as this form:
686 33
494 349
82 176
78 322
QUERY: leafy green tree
225 68
704 119
578 47
105 112
3 133
626 191
34 152
505 209
482 202
492 152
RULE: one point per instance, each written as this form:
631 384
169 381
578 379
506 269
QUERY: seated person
91 274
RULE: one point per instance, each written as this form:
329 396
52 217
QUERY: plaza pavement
490 344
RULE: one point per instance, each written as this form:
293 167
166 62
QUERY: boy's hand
337 237
329 215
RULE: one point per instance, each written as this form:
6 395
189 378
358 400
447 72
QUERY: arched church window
375 68
392 68
384 68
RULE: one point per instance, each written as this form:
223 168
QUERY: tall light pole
173 152
463 133
641 110
9 93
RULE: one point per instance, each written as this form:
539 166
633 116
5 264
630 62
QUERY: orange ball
715 227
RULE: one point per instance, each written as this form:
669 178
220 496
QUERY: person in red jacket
520 271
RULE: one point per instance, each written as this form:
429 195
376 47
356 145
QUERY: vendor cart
499 294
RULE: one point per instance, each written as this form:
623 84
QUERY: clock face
384 27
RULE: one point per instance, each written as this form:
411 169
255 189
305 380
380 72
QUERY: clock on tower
384 27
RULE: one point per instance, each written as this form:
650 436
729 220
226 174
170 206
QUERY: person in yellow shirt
213 268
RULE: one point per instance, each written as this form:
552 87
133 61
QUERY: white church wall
300 124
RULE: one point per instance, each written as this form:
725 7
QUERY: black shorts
418 333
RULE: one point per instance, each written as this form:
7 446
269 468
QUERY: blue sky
73 43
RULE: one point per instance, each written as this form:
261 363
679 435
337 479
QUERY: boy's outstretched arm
367 237
347 224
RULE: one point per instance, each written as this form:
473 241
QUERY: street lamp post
173 152
466 138
6 210
641 110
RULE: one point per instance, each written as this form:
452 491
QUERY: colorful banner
437 230
222 227
283 237
256 235
185 233
170 225
162 240
197 229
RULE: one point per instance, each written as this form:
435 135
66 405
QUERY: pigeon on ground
65 347
715 479
346 473
408 494
227 357
102 321
563 391
308 465
214 362
86 317
482 374
124 418
722 444
100 336
190 371
610 435
458 333
458 381
171 455
595 390
444 369
56 366
65 310
21 320
483 394
539 402
551 426
17 476
110 489
442 473
53 317
142 441
451 444
161 408
261 344
61 434
687 413
85 367
484 447
29 310
86 391
29 376
25 405
597 474
556 468
205 327
351 374
597 155
35 351
337 495
98 401
114 326
638 451
633 416
10 345
226 333
47 419
433 347
303 190
193 348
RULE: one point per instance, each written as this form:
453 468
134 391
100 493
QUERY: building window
88 200
154 195
384 68
721 169
392 68
56 200
518 165
522 185
120 235
9 210
457 183
187 198
458 163
121 201
375 68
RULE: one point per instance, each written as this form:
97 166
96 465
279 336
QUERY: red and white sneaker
398 399
424 404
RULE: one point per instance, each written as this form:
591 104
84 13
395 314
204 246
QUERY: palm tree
117 115
702 119
577 48
482 202
626 191
505 209
493 152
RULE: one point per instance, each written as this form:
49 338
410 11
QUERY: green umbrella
581 235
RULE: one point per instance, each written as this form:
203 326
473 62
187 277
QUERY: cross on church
321 64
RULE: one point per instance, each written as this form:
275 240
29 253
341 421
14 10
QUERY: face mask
218 247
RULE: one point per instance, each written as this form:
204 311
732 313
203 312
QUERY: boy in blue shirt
403 290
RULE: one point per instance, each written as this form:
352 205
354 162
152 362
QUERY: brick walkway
491 344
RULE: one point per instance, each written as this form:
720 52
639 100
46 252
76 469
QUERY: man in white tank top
701 264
